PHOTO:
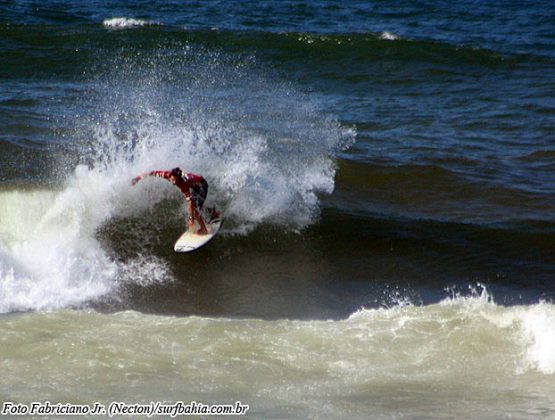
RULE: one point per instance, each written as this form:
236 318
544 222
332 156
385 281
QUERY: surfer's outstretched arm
161 174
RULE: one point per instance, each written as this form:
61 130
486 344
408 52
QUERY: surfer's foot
212 213
191 225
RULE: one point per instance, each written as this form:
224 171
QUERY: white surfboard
190 241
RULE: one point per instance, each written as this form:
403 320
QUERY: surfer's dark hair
176 172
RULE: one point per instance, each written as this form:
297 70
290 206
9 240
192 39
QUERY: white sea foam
123 22
388 36
49 256
402 361
516 339
532 327
539 328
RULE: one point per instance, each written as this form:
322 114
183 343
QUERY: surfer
194 188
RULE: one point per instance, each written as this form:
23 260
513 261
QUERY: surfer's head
175 174
178 173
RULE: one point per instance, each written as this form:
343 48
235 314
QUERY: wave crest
123 22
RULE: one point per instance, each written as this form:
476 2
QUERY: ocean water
387 178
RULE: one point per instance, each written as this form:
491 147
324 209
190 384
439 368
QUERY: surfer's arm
161 174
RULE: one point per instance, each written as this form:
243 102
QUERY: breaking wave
264 147
462 350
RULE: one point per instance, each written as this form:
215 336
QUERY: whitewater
466 350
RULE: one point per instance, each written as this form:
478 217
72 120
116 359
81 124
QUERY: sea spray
266 150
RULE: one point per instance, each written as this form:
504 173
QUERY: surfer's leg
202 230
190 218
194 216
197 217
198 196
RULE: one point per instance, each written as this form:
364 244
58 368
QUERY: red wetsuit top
191 185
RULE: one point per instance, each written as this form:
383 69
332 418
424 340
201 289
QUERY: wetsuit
194 187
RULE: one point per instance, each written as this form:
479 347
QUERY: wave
453 190
357 46
267 157
462 350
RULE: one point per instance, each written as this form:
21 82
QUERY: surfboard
190 241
